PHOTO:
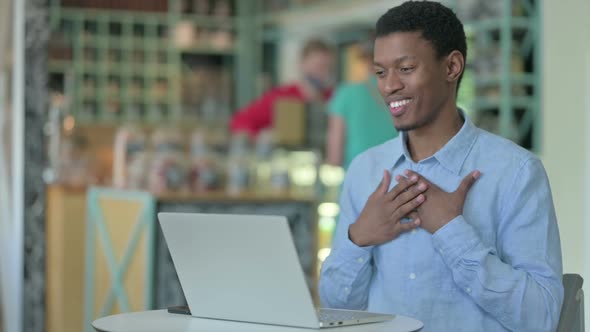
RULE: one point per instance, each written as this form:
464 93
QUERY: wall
566 117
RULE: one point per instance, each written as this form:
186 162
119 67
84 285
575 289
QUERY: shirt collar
453 154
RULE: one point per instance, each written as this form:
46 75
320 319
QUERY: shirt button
468 290
346 290
360 260
413 231
441 251
412 276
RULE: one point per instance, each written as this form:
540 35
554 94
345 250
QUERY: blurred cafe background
112 111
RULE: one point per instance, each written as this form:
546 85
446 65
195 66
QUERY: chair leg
582 327
1 309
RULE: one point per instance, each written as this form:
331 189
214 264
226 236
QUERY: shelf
207 50
145 70
186 127
77 14
147 18
296 13
149 44
59 66
137 52
91 41
248 196
496 24
516 79
211 21
488 103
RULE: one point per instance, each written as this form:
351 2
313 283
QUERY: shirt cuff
454 239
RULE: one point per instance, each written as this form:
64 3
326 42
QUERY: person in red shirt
316 66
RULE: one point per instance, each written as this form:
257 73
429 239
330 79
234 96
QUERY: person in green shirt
358 118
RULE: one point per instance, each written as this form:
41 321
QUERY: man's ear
455 65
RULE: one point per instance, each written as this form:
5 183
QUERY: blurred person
358 119
314 85
465 237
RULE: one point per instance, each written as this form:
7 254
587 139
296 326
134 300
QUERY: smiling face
415 84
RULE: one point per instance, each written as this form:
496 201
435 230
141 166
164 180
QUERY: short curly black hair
437 23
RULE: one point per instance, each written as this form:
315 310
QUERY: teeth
395 104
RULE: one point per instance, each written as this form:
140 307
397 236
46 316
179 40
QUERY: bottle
262 168
238 164
279 174
203 173
129 140
168 171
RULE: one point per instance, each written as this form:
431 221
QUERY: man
467 239
314 85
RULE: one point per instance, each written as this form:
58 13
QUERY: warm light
263 170
302 157
328 210
327 224
323 254
302 168
331 175
69 123
303 175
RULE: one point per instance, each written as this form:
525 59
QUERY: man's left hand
440 207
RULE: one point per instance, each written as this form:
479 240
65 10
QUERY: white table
162 321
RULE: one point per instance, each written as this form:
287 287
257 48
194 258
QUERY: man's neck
309 93
426 141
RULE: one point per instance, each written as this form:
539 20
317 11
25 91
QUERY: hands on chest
440 207
413 197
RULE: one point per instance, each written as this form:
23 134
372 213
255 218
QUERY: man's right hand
380 220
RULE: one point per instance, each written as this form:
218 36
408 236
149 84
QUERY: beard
426 120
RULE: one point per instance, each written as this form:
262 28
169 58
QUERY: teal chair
572 311
119 253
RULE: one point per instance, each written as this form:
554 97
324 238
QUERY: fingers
402 185
399 227
405 227
463 188
412 174
408 226
467 182
406 182
383 186
409 173
414 216
409 207
409 193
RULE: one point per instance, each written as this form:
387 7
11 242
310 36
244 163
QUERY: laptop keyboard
329 315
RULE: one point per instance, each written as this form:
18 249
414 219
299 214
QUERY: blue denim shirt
496 267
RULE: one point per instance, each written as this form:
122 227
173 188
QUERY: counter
66 246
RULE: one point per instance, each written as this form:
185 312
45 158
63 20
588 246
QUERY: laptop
245 268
